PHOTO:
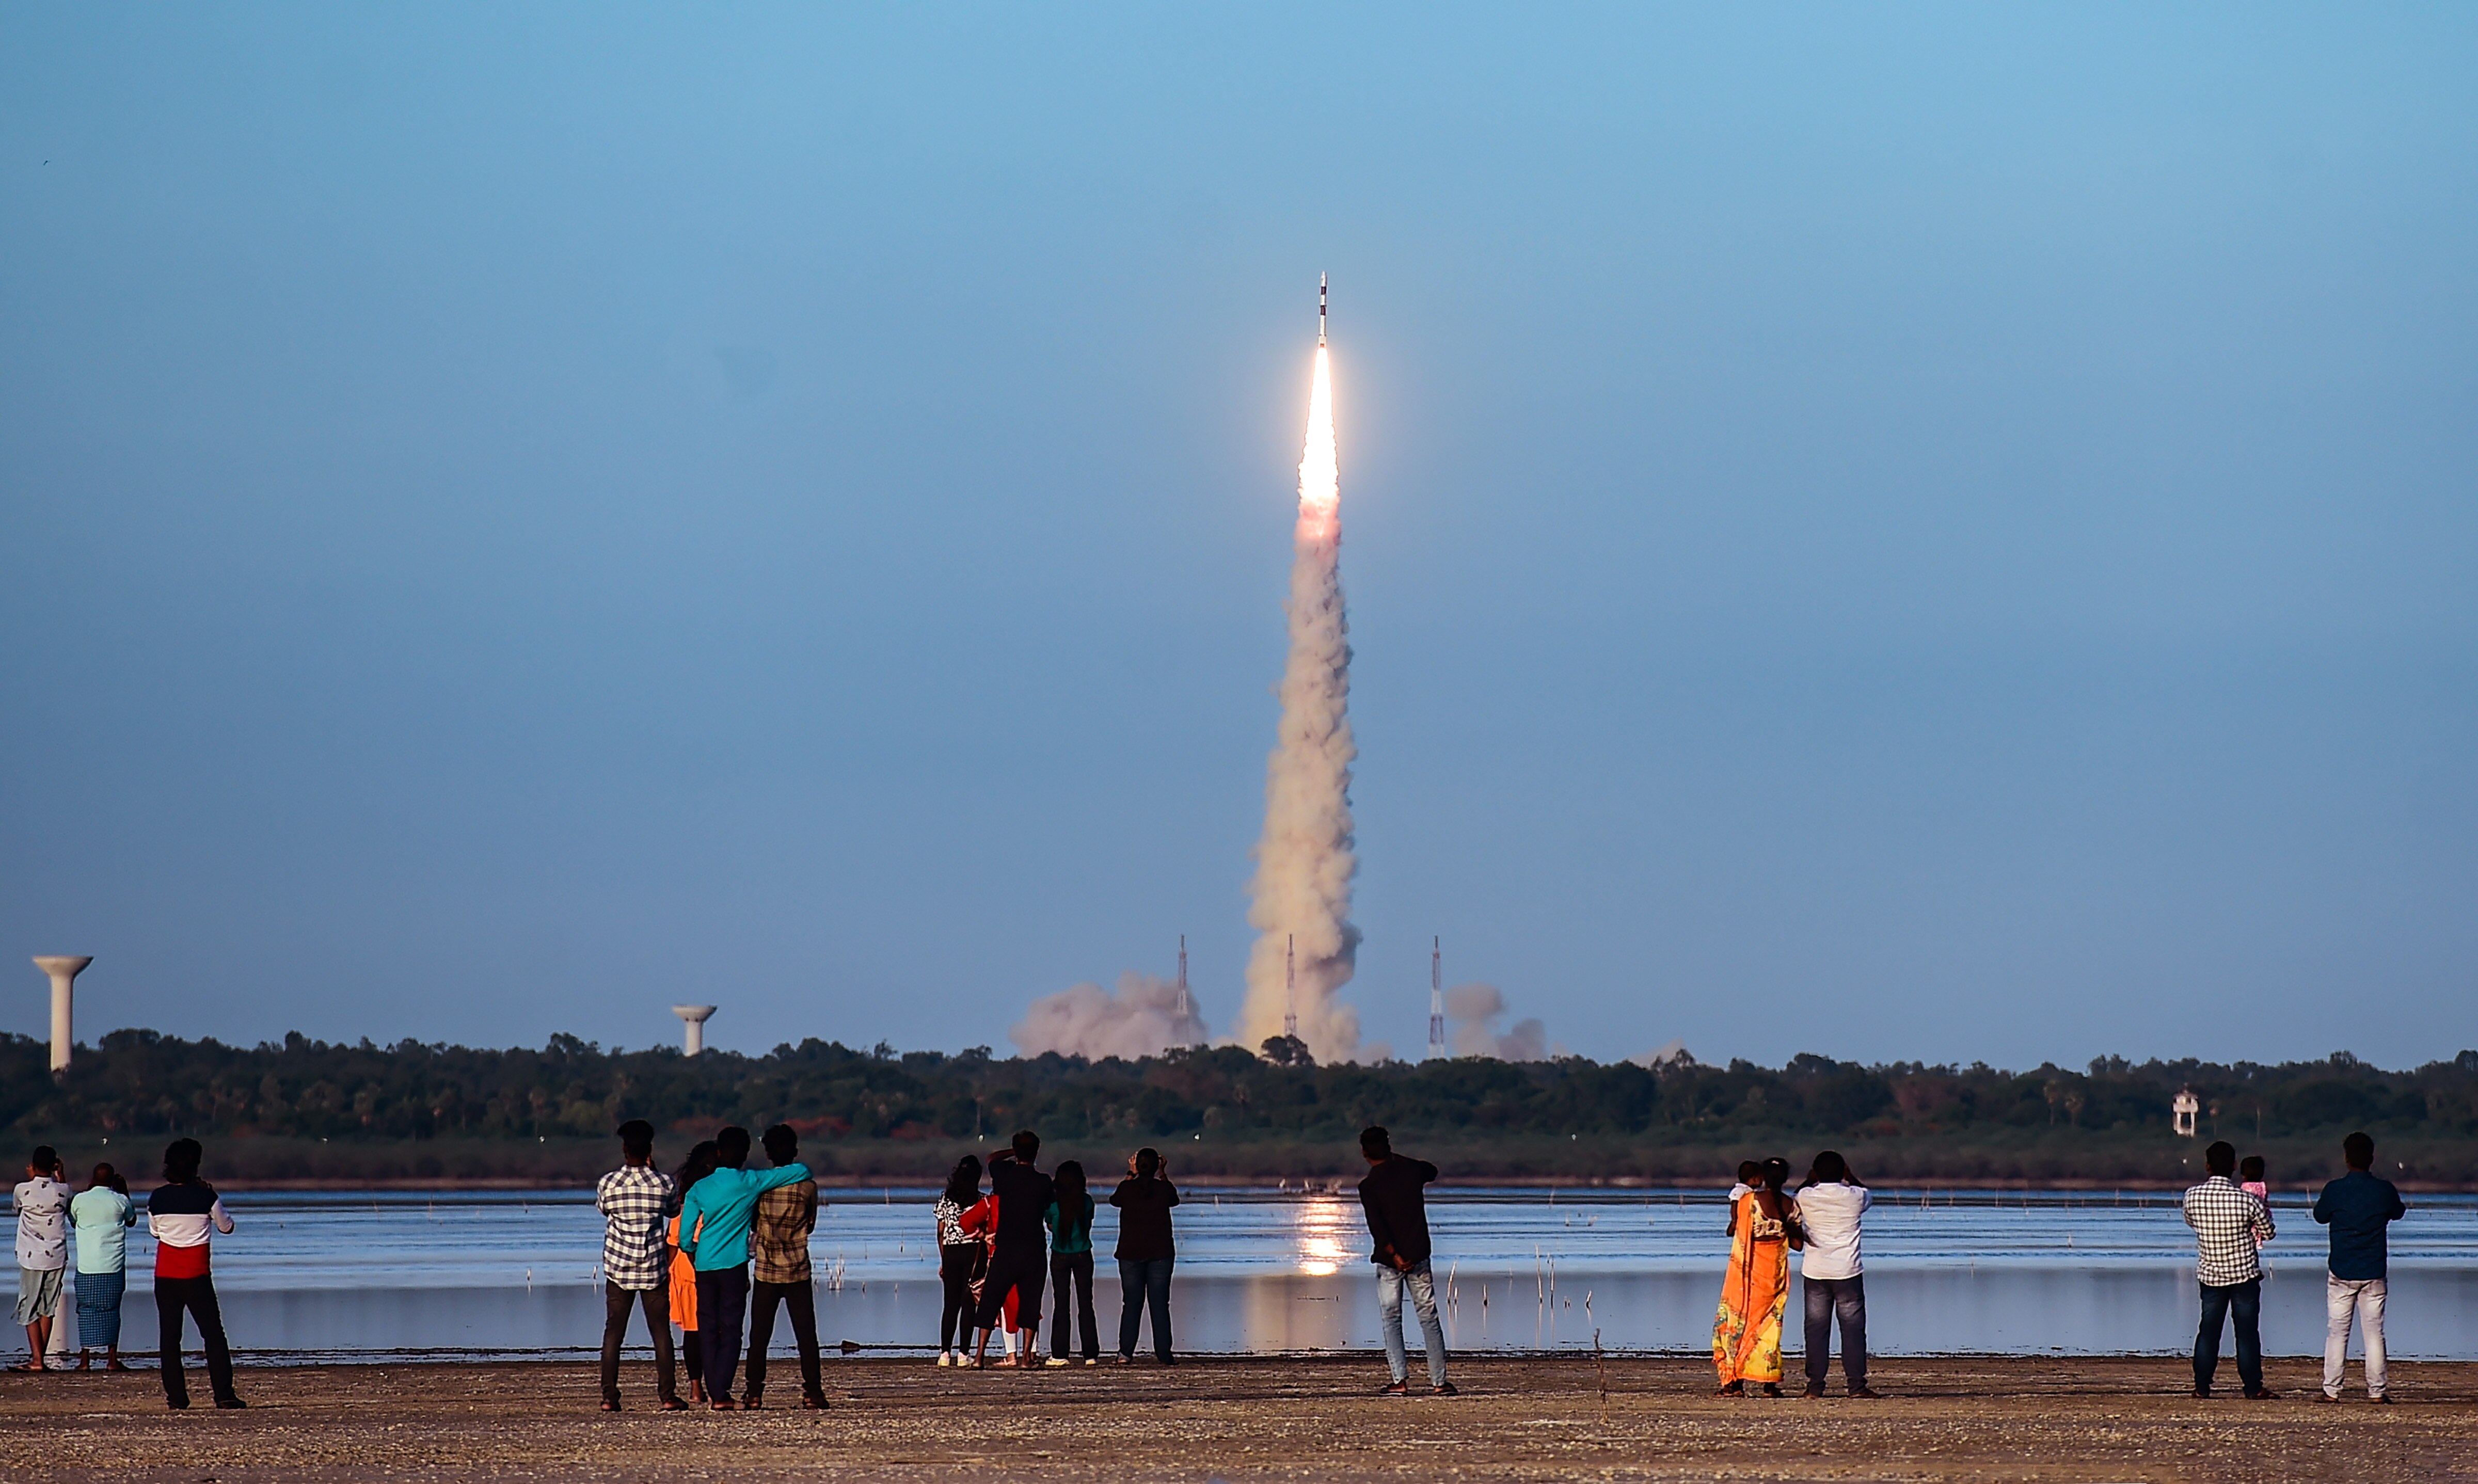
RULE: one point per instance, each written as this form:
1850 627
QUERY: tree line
139 1083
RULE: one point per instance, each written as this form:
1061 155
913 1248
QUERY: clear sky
1912 532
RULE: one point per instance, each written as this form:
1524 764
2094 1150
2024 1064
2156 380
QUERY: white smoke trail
1301 896
1473 1008
1142 1019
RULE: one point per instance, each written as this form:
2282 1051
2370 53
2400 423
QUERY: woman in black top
1145 1252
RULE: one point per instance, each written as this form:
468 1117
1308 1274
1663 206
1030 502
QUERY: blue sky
1930 533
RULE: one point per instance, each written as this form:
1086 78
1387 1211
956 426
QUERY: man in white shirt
42 1205
1829 1205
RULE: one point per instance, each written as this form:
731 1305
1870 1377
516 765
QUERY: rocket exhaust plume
1300 897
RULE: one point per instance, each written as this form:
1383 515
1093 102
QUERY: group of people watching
183 1215
695 1248
995 1251
1766 1225
692 1248
681 1248
2230 1213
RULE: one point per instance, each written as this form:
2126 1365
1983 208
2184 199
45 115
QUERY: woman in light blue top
102 1214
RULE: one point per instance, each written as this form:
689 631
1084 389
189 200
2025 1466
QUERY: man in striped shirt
635 1261
2230 1222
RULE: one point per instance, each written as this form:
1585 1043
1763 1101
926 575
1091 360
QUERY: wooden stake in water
1601 1366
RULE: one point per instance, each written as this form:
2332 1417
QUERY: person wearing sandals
1397 1230
1070 1219
1018 1246
683 1272
960 1256
1747 1327
42 1203
102 1214
634 1258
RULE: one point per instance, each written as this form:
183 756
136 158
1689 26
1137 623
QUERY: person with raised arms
1018 1247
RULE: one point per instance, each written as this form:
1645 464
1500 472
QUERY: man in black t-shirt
1397 1227
1019 1248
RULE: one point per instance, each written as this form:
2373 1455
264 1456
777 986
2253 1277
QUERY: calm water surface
372 1275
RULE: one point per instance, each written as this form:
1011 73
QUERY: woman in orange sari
700 1164
1747 1328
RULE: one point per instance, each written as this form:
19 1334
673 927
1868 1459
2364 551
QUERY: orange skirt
683 1280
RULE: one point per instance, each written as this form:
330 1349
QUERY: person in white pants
2359 1207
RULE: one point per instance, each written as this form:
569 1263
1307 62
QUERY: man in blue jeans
1145 1254
2230 1221
1398 1224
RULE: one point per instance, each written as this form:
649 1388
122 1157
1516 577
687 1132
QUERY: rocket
1320 309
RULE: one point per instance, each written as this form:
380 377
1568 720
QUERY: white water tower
64 971
695 1017
2183 1111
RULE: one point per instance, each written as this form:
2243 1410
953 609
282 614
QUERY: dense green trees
139 1083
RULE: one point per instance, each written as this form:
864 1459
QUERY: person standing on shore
2358 1207
2230 1224
1755 1292
102 1214
778 1240
683 1272
1831 1276
634 1258
184 1215
1018 1252
1398 1231
43 1204
1146 1252
714 1223
960 1256
1071 1260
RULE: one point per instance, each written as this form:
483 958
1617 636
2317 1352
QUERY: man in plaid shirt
778 1253
635 1261
2230 1222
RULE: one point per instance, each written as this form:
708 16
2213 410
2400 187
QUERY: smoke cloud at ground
1473 1011
1140 1019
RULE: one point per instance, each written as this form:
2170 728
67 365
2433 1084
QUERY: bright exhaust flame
1320 477
1304 862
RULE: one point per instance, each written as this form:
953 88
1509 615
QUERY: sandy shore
1971 1419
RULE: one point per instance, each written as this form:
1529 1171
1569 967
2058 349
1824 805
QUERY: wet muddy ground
1251 1418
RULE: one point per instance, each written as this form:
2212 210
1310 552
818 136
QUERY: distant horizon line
2111 1065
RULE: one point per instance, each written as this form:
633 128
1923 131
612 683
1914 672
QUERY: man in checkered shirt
2230 1222
635 1261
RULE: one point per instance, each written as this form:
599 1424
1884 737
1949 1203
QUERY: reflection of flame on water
1323 1226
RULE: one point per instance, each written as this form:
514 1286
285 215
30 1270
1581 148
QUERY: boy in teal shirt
725 1202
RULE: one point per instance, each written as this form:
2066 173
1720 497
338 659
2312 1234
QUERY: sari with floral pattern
1747 1328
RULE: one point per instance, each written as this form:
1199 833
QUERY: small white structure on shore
695 1017
2183 1113
64 971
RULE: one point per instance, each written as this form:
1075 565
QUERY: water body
387 1274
